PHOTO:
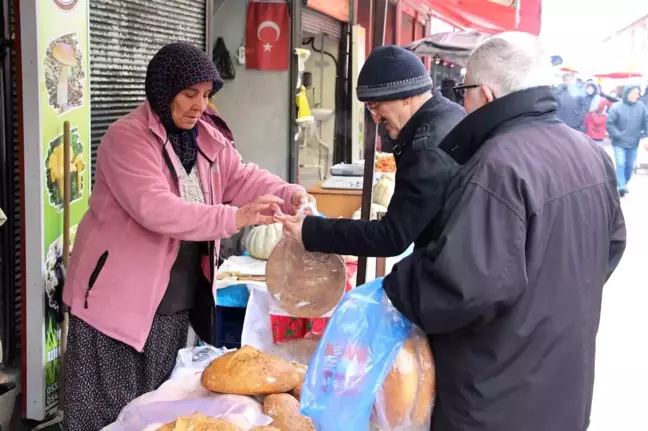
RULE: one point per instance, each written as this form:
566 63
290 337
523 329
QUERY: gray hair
510 62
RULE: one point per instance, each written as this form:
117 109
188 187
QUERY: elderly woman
168 187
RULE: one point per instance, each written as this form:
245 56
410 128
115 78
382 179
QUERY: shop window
407 30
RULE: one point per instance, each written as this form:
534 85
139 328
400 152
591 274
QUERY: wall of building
255 103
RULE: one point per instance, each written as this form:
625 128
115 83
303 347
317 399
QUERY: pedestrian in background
595 121
570 103
627 123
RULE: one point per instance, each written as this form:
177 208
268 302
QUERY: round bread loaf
265 428
284 410
199 422
397 397
249 371
427 383
305 284
301 372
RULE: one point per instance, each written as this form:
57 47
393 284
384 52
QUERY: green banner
64 96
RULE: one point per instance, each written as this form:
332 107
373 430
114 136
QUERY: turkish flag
267 35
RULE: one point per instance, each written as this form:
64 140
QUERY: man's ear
487 94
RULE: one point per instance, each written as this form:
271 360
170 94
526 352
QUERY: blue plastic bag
352 359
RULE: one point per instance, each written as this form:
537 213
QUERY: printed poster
64 96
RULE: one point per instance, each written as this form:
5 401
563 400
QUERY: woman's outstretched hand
260 211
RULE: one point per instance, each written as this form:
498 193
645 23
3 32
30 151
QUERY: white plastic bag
244 412
192 360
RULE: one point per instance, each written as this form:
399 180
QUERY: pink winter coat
128 240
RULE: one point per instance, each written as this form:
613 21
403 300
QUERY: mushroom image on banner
54 169
64 74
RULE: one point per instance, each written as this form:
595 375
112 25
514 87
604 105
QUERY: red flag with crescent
267 35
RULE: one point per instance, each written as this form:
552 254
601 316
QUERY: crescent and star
268 24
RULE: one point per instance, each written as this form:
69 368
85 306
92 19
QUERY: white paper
243 265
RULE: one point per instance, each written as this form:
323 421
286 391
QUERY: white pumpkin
261 240
375 209
383 190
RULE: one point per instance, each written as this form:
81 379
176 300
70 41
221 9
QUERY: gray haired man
510 293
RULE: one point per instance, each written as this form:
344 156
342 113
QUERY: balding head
503 64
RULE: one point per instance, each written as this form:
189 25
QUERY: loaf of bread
199 422
249 371
265 428
406 398
301 373
427 384
304 284
284 411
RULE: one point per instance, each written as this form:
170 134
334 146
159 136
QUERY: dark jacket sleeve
421 181
611 124
477 267
617 241
617 228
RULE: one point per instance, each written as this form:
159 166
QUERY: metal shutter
124 36
315 23
10 314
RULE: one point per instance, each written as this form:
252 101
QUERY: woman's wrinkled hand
260 211
300 199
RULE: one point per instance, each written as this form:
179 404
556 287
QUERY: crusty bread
397 396
427 383
249 371
199 422
265 428
304 284
284 411
168 427
301 373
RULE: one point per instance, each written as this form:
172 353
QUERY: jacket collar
407 132
209 147
537 103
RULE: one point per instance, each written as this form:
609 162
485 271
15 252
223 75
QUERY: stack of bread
404 403
251 372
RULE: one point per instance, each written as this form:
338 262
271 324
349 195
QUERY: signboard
338 9
55 89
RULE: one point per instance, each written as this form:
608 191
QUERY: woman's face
189 104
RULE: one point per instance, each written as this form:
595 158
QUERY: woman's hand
260 211
299 199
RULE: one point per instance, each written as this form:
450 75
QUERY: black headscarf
175 67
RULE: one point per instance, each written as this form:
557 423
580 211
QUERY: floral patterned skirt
103 375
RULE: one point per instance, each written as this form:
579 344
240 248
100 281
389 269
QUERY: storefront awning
489 16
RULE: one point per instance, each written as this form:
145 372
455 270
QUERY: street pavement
621 386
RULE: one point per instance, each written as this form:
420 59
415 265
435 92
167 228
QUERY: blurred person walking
627 123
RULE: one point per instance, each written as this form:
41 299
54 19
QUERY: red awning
490 16
619 75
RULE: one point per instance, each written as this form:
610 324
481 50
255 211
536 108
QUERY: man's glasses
371 107
460 90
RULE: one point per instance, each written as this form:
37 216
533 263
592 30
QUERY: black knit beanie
392 73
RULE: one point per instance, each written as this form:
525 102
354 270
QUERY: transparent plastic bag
406 398
304 284
353 358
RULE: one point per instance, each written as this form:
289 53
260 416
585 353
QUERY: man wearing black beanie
397 90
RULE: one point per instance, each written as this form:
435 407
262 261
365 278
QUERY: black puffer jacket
510 292
423 171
